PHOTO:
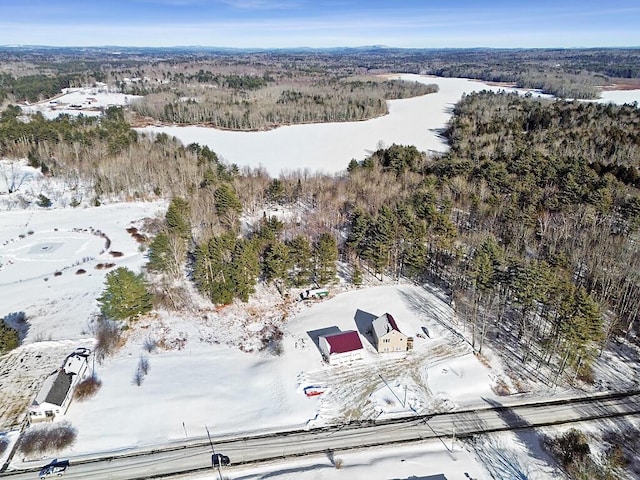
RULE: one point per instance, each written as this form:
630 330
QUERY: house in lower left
342 347
53 399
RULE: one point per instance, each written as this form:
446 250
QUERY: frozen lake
328 147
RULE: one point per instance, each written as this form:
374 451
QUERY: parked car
82 351
54 468
220 459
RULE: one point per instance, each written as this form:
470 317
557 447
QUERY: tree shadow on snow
523 432
278 473
439 476
364 323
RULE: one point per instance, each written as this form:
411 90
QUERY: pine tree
245 269
356 276
178 218
126 295
301 258
276 262
9 337
228 206
326 256
159 253
212 269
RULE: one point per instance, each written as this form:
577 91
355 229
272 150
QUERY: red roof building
342 347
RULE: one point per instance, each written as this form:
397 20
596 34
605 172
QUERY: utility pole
213 453
453 436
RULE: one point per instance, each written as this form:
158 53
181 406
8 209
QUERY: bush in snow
43 201
87 388
47 438
107 335
141 371
150 344
143 365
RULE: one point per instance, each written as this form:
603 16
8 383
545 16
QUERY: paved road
495 417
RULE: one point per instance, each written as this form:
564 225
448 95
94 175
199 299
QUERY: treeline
557 83
283 104
32 87
570 73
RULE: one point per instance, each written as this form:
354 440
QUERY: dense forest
250 103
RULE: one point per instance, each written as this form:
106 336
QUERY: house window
386 340
49 413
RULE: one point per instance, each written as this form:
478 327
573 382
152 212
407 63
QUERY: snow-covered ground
208 367
329 147
427 461
88 101
50 270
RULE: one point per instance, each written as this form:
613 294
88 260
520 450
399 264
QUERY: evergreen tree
9 337
228 206
356 276
275 191
276 262
126 295
357 238
326 256
212 268
158 255
178 218
301 257
245 269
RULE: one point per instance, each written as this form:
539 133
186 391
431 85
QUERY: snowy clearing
87 101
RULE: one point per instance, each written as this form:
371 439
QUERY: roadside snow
427 461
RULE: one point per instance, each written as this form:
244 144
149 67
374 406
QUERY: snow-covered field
88 101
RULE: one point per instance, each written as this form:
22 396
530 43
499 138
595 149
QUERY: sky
321 23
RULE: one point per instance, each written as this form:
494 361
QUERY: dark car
54 468
219 459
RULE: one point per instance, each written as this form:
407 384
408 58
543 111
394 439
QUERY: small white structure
315 293
388 336
340 348
54 397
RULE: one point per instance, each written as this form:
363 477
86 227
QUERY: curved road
495 417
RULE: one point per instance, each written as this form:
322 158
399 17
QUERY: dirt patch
623 84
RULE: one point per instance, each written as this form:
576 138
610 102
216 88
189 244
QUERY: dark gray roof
59 389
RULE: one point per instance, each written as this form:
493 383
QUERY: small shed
388 336
340 348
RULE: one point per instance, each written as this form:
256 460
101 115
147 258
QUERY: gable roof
343 342
59 389
384 324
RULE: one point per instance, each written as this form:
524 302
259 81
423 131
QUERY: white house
340 348
54 397
388 336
